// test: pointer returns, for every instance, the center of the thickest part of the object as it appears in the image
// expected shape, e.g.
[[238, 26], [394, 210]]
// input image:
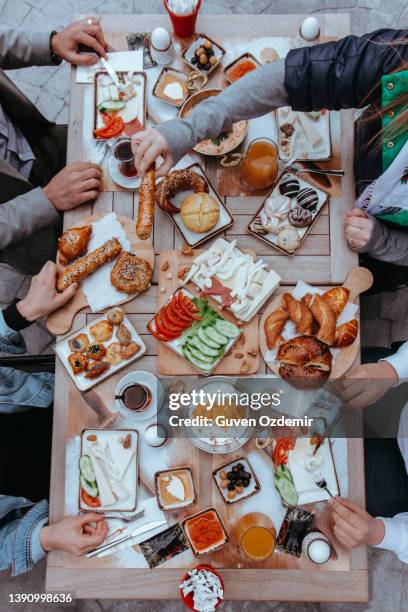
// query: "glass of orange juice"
[[260, 163], [255, 534]]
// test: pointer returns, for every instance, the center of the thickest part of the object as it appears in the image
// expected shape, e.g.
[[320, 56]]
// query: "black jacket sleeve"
[[344, 73]]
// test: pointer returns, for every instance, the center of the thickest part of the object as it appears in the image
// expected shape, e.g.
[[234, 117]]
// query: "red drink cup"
[[183, 25]]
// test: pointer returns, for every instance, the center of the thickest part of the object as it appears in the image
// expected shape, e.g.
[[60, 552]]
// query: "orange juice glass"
[[260, 164], [256, 536]]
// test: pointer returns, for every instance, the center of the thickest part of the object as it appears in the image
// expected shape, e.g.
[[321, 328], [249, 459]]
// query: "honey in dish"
[[258, 543], [181, 497], [260, 164]]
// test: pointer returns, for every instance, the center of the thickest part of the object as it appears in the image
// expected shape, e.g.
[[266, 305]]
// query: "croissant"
[[346, 334], [325, 317], [299, 313], [337, 298], [274, 325], [74, 242]]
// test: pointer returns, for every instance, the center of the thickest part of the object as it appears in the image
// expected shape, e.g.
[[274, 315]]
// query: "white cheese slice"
[[131, 110], [121, 457], [312, 133], [106, 495], [173, 91], [176, 488]]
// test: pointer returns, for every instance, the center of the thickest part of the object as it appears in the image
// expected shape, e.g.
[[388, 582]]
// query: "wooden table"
[[324, 259]]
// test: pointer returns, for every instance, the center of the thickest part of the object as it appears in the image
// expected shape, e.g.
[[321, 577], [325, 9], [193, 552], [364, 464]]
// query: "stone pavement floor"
[[49, 89]]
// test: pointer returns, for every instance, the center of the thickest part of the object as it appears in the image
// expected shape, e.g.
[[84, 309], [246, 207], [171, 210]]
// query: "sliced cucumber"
[[198, 354], [226, 328], [201, 365], [89, 488], [286, 489], [216, 336], [202, 347], [202, 334], [110, 106], [86, 468]]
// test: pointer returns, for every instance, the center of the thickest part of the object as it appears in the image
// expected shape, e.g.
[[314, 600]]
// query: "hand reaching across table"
[[74, 185], [87, 32], [75, 534], [353, 526], [366, 384], [147, 146], [358, 228], [42, 297]]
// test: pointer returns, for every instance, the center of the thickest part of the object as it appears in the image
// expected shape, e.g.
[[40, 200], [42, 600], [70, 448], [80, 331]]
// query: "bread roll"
[[200, 212], [305, 362], [145, 211], [337, 298], [324, 315], [81, 268], [299, 313], [274, 325], [346, 334]]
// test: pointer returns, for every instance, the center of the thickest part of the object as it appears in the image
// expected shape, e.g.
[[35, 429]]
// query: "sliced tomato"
[[170, 324], [162, 329], [157, 334], [107, 118], [113, 128], [90, 501], [176, 311], [282, 448], [171, 316], [187, 306]]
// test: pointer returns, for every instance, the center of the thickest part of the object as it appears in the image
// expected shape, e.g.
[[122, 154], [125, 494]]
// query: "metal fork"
[[103, 147], [320, 479], [297, 170], [125, 518]]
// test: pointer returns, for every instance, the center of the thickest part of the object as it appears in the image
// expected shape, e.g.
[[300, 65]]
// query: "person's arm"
[[399, 362], [21, 48], [256, 94], [396, 535]]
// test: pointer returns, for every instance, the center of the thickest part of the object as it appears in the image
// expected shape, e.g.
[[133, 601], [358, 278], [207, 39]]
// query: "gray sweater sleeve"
[[256, 94], [21, 48], [387, 244]]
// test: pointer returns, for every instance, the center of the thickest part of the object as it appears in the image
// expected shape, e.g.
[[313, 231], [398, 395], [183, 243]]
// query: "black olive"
[[231, 486], [194, 59], [207, 66], [209, 52], [229, 474], [239, 482], [240, 466], [245, 483], [235, 468]]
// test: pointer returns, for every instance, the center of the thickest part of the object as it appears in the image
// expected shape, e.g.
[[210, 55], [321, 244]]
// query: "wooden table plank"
[[324, 260]]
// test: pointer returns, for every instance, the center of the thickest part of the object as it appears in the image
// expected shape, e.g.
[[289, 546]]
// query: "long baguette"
[[81, 268], [145, 213]]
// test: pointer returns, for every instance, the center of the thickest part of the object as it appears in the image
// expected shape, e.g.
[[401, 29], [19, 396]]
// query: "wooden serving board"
[[358, 280], [60, 322], [170, 364]]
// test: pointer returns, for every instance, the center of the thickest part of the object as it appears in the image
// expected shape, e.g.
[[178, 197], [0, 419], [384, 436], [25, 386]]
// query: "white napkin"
[[120, 60], [97, 287]]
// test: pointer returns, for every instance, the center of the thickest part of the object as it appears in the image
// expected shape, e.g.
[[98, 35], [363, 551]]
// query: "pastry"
[[178, 180], [145, 210], [123, 334], [113, 353], [131, 274], [274, 325], [325, 317], [305, 362], [308, 199], [83, 267], [258, 227], [129, 350], [337, 298], [299, 313], [73, 243], [78, 362], [277, 206], [79, 344], [115, 316], [271, 224], [300, 217], [346, 334], [288, 238], [96, 351], [289, 186], [101, 331], [200, 212], [96, 368]]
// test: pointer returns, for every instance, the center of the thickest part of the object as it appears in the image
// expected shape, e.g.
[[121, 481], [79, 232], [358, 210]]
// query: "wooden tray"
[[170, 364], [60, 322], [358, 280]]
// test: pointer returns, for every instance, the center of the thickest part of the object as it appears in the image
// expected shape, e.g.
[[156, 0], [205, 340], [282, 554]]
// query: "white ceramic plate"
[[119, 179], [150, 381]]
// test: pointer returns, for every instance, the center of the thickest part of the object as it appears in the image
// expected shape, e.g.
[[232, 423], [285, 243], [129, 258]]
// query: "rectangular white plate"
[[63, 351], [130, 478], [322, 125]]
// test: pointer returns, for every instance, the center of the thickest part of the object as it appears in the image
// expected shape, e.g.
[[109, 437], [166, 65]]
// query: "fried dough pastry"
[[83, 267], [131, 274], [178, 180], [96, 368], [113, 353], [324, 315], [78, 362], [101, 331], [337, 298], [79, 344], [115, 316], [299, 313], [274, 325], [129, 350], [346, 334], [74, 243]]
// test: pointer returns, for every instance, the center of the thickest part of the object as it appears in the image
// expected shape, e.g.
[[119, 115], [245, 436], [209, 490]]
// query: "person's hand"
[[74, 185], [42, 297], [75, 534], [353, 526], [366, 384], [358, 228], [147, 146], [87, 32]]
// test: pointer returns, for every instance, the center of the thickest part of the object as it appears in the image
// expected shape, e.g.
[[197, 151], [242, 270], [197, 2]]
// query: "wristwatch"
[[54, 57]]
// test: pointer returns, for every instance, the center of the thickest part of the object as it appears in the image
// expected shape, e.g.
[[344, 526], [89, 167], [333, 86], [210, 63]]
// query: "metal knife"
[[111, 71], [138, 531]]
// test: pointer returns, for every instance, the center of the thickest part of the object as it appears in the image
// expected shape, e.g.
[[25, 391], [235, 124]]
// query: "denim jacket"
[[21, 521]]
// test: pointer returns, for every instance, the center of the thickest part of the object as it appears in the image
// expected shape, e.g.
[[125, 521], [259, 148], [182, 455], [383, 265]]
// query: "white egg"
[[319, 551], [160, 38], [155, 435], [310, 28]]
